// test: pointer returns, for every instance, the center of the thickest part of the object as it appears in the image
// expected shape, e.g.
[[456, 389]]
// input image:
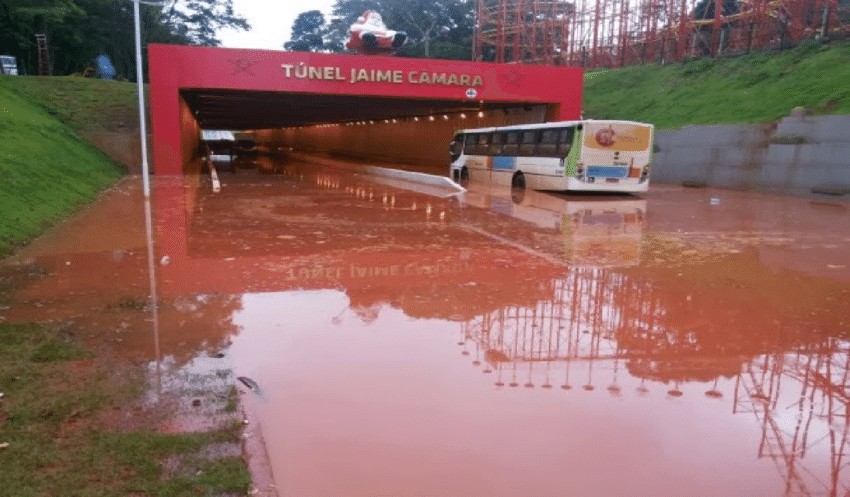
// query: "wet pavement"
[[683, 342]]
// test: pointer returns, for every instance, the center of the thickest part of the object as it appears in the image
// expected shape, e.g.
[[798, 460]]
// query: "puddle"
[[686, 342]]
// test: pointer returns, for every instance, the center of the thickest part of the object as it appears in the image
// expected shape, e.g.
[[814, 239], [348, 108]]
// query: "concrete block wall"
[[718, 155], [743, 156]]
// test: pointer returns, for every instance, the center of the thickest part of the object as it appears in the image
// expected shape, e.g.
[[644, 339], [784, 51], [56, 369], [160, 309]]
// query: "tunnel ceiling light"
[[395, 121], [462, 115], [431, 117], [445, 116], [481, 113], [415, 118]]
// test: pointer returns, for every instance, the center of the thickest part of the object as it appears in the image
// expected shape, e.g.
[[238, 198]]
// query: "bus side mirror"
[[454, 150]]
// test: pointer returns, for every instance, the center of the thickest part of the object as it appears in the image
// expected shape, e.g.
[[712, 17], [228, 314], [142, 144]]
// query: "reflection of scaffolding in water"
[[821, 414], [578, 324], [593, 316], [612, 33]]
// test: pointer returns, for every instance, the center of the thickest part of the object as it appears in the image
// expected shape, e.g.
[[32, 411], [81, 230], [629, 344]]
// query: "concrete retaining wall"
[[799, 154]]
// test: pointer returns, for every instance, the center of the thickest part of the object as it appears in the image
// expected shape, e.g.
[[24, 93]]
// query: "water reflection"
[[576, 314], [795, 389], [599, 232], [154, 295]]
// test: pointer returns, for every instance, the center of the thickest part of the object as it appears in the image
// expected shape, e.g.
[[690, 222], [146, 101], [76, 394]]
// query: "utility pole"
[[43, 54]]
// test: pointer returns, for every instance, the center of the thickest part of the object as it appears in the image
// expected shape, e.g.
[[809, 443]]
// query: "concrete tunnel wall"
[[424, 143], [190, 139]]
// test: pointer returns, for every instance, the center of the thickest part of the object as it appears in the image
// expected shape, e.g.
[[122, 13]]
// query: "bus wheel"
[[464, 177], [518, 187]]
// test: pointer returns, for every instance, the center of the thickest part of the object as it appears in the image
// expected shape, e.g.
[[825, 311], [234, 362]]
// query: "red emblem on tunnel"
[[605, 137], [242, 65]]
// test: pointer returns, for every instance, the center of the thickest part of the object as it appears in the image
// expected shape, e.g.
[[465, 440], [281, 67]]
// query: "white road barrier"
[[440, 185]]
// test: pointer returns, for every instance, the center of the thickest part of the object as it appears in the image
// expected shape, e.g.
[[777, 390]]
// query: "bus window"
[[548, 143], [529, 143], [469, 146], [511, 146], [483, 145], [565, 141], [496, 144]]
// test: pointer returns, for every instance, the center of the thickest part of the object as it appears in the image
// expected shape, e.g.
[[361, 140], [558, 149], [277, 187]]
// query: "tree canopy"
[[307, 32], [79, 30]]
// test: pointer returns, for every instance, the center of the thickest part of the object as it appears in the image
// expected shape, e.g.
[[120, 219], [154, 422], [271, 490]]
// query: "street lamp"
[[140, 80]]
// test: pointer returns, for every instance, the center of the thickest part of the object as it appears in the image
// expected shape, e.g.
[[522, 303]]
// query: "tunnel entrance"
[[336, 102]]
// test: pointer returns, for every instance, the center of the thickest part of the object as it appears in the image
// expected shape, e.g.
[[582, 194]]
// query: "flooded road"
[[685, 342]]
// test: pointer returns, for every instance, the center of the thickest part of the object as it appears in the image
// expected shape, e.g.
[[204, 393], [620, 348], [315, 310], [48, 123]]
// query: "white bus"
[[610, 156]]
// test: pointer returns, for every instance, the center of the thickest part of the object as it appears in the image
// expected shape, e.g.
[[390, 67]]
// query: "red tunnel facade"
[[175, 69]]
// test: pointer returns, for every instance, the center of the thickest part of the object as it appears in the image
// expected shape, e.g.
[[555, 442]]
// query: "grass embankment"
[[752, 88], [46, 170], [57, 428], [87, 105]]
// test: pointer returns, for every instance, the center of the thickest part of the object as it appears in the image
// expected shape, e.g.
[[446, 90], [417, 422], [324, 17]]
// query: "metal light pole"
[[140, 80]]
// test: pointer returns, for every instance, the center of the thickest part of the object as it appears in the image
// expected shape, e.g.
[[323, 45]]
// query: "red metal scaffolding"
[[615, 33]]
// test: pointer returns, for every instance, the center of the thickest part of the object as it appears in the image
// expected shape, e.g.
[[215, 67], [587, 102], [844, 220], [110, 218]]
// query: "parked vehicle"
[[245, 145], [8, 65], [609, 156]]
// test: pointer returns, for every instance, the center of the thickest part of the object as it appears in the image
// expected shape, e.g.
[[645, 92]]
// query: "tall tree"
[[199, 20], [79, 30], [307, 31]]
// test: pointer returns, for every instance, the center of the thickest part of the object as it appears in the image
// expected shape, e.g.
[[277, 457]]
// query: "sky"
[[270, 20]]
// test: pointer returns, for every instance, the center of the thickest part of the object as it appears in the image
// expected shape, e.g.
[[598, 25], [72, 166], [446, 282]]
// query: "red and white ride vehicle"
[[370, 36]]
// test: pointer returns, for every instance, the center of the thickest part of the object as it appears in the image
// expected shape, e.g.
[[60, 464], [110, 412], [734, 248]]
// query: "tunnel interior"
[[254, 110], [386, 129]]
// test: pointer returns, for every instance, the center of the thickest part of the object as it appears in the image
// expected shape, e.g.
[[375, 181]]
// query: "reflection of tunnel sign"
[[471, 93]]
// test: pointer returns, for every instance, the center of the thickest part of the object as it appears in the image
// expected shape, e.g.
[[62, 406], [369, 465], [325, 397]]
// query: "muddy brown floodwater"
[[685, 342]]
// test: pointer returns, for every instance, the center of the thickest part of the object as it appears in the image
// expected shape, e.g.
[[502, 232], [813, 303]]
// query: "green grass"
[[753, 88], [46, 170], [83, 104], [55, 415], [232, 400]]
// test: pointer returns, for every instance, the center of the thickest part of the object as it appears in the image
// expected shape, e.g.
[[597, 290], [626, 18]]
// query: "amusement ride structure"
[[615, 33]]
